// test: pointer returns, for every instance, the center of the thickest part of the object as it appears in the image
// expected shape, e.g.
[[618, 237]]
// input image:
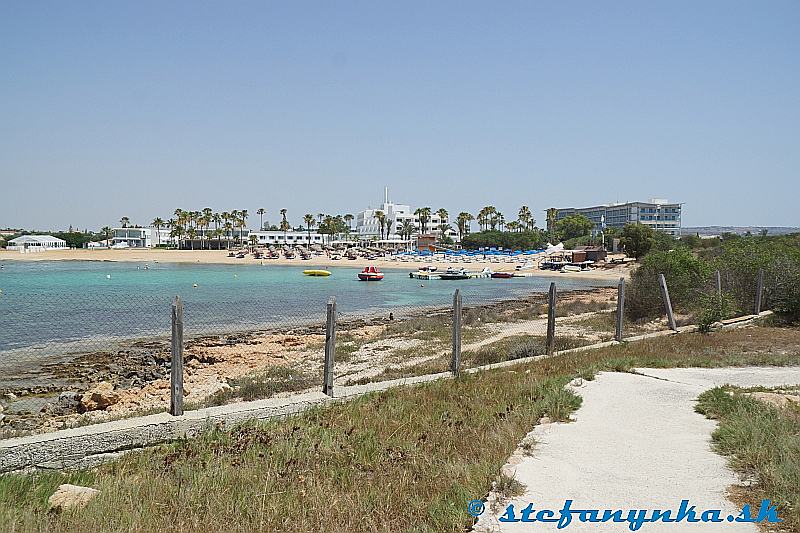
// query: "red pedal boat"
[[502, 275], [370, 273]]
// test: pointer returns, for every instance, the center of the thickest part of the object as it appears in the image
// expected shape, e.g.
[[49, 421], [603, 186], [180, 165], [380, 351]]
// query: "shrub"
[[713, 309], [739, 262], [637, 239], [687, 277]]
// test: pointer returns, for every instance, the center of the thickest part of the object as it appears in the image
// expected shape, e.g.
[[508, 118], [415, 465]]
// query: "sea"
[[84, 304]]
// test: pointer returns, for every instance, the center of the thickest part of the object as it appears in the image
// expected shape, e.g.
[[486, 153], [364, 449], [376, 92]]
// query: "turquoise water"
[[75, 301]]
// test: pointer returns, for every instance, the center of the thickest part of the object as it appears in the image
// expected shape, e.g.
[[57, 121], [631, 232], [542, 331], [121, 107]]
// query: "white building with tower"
[[368, 226]]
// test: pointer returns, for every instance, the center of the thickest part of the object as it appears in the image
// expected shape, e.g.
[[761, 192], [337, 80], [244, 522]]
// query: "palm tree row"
[[188, 225], [489, 218]]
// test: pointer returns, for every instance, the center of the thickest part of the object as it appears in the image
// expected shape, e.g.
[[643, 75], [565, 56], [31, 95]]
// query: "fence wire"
[[72, 359]]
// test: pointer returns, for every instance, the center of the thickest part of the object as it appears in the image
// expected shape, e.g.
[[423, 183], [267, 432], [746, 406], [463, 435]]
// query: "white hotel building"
[[368, 227]]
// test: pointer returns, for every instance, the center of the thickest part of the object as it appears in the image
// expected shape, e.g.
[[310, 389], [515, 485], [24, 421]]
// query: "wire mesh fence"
[[73, 359]]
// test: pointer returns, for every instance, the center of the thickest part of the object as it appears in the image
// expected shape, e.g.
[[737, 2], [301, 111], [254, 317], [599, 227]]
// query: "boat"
[[570, 268], [370, 273], [424, 274], [316, 272], [502, 275], [453, 273]]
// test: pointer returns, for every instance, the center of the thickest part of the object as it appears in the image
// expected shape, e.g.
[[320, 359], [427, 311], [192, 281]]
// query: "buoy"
[[194, 285], [108, 276]]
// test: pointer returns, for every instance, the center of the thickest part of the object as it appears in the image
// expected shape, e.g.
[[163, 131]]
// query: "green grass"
[[407, 459], [760, 441]]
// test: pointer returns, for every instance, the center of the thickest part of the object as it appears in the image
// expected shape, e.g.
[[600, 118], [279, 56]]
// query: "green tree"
[[158, 223], [308, 218], [637, 239], [573, 226], [260, 213], [380, 216], [462, 223], [106, 231], [424, 215]]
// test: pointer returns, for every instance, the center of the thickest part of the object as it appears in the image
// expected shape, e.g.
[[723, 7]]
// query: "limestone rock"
[[99, 397], [71, 497], [781, 401]]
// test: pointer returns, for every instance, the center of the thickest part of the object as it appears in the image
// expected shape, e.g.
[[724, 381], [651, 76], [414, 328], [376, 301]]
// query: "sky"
[[111, 109]]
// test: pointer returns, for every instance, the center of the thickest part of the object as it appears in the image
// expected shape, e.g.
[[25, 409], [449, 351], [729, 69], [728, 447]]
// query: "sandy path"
[[636, 444], [221, 257]]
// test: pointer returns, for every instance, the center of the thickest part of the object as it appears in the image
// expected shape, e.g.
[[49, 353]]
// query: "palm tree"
[[349, 218], [191, 233], [124, 221], [229, 231], [242, 221], [308, 218], [260, 213], [551, 222], [525, 217], [206, 222], [157, 223], [389, 223], [442, 214], [381, 217], [217, 218], [462, 223], [424, 215], [107, 232], [406, 230]]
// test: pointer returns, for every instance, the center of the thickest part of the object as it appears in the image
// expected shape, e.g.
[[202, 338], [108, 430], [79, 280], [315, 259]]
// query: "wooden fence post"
[[330, 348], [455, 363], [667, 303], [551, 319], [620, 308], [759, 292], [176, 373]]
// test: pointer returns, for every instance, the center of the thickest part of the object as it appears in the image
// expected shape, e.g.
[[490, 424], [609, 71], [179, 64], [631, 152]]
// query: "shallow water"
[[83, 303]]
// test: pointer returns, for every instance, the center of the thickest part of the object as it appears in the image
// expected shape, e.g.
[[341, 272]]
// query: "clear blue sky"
[[135, 108]]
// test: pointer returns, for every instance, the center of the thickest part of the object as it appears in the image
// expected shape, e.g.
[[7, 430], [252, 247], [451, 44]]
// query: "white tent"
[[36, 243]]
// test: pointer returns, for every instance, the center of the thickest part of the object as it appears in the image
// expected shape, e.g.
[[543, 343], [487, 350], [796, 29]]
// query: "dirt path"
[[636, 443]]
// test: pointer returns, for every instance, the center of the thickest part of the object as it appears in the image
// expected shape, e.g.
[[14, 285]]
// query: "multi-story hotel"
[[657, 213]]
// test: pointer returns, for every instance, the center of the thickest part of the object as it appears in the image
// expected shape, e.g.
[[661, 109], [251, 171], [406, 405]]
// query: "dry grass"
[[763, 443], [408, 459]]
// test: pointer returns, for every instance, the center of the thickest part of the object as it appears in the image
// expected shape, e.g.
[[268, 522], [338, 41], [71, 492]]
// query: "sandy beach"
[[221, 257]]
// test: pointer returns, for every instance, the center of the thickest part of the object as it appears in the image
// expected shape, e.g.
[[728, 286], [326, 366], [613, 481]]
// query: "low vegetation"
[[763, 443], [404, 459]]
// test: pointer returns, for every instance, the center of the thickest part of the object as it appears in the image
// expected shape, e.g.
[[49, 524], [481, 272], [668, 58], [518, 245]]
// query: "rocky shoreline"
[[134, 379]]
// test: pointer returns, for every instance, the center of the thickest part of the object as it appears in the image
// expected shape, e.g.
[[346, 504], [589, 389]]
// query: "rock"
[[781, 401], [71, 497], [577, 382], [99, 397], [1, 409], [69, 399], [545, 420], [11, 396]]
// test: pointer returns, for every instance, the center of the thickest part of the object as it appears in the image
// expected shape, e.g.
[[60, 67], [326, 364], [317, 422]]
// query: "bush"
[[739, 262], [713, 309], [516, 240], [687, 278], [637, 239]]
